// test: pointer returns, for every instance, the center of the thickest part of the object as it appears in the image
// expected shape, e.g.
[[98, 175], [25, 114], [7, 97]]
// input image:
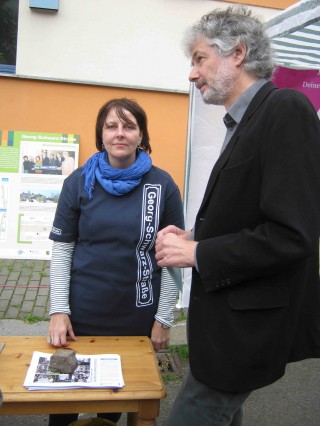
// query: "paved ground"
[[24, 289]]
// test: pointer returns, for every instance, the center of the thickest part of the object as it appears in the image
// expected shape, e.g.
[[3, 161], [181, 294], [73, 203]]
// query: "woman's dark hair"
[[119, 105]]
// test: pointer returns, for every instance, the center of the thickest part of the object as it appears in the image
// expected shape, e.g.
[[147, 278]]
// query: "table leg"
[[147, 422], [148, 412], [133, 419]]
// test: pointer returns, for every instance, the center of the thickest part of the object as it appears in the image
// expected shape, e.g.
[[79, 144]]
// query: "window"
[[8, 35]]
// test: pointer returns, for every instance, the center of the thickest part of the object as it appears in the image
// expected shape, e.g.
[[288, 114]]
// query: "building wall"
[[55, 107], [70, 62], [122, 43]]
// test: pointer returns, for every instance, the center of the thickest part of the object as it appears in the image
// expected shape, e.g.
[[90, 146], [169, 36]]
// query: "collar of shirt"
[[238, 108]]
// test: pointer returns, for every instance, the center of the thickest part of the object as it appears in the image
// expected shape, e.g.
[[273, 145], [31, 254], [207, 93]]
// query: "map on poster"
[[33, 166]]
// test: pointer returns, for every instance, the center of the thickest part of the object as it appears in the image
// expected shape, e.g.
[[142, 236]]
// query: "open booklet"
[[93, 371]]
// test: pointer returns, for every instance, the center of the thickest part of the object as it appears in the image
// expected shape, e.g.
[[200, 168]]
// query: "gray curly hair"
[[226, 29]]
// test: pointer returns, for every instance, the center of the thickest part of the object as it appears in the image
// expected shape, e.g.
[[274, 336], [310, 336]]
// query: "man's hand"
[[173, 248], [172, 229]]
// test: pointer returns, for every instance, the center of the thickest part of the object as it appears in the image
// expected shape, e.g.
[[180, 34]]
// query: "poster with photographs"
[[33, 166]]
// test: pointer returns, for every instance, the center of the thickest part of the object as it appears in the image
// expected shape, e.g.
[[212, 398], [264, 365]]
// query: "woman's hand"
[[59, 327], [159, 336]]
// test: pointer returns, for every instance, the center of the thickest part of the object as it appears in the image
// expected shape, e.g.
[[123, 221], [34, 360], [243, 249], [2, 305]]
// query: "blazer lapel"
[[224, 157]]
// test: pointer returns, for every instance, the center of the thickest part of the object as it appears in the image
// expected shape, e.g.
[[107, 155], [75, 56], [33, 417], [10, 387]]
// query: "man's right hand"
[[174, 248], [172, 229]]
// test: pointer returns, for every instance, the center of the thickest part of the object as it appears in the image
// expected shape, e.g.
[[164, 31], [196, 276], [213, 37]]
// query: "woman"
[[107, 219], [38, 165]]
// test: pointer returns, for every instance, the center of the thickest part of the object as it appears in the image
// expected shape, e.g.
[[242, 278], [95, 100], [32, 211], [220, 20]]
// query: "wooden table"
[[140, 397]]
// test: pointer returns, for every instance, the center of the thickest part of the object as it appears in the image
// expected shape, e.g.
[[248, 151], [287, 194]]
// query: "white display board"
[[33, 167]]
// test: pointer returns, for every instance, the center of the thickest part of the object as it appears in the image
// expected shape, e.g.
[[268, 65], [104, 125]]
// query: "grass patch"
[[169, 377], [9, 268], [32, 319], [181, 350], [173, 363]]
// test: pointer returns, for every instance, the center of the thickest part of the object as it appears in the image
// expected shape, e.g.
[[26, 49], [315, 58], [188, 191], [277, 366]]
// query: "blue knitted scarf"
[[114, 181]]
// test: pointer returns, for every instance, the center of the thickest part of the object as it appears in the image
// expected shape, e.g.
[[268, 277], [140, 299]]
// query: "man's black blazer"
[[255, 302]]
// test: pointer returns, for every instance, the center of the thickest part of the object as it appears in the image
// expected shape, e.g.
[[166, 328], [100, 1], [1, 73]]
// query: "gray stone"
[[63, 361]]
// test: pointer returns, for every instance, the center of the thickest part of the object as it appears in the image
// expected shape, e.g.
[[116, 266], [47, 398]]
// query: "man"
[[255, 294], [45, 163]]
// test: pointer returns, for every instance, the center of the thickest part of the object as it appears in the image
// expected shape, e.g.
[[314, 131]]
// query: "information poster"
[[33, 167]]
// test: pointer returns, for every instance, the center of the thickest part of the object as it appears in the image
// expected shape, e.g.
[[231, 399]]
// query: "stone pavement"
[[24, 289]]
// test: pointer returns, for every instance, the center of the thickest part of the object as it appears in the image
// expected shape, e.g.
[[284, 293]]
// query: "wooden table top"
[[139, 365]]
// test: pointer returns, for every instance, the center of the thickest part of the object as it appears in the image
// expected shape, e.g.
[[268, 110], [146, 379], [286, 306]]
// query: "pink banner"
[[307, 81]]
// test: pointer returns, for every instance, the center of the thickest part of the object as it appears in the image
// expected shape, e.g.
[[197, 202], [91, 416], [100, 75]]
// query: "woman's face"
[[121, 139]]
